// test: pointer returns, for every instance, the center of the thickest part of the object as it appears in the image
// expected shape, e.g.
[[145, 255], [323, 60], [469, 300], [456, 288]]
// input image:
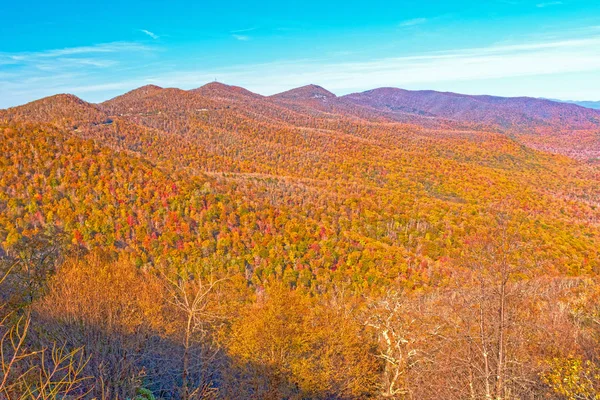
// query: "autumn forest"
[[215, 243]]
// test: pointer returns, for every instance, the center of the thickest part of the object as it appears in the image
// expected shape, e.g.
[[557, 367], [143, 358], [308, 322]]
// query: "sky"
[[98, 50]]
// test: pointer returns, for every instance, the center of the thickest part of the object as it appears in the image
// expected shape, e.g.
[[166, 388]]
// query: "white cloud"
[[412, 22], [242, 38], [151, 34], [549, 4], [493, 62], [244, 30], [25, 76], [114, 47], [84, 58], [537, 60]]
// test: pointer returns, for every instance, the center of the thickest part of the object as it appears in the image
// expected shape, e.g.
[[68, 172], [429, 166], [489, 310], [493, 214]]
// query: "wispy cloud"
[[63, 63], [412, 22], [533, 59], [28, 75], [549, 4], [528, 61], [241, 34], [244, 30], [509, 2], [114, 47], [151, 34], [243, 38], [59, 60]]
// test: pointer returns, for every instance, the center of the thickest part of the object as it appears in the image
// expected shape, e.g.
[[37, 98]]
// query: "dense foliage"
[[218, 244]]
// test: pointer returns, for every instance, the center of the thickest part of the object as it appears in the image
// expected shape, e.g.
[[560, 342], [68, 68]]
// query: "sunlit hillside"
[[216, 243]]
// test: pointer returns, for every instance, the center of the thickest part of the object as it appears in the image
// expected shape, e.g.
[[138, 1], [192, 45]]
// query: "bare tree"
[[406, 334], [496, 262], [192, 297], [35, 374]]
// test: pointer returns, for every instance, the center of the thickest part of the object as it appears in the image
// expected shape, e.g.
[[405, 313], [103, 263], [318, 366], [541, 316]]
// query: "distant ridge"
[[573, 128], [595, 105], [504, 112]]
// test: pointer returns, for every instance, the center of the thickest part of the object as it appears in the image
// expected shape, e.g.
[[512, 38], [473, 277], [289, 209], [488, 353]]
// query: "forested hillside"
[[216, 243]]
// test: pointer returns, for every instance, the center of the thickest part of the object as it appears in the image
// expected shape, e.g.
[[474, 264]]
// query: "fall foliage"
[[215, 243]]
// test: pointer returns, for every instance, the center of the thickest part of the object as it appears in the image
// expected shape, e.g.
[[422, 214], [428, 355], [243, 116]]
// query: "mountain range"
[[542, 124]]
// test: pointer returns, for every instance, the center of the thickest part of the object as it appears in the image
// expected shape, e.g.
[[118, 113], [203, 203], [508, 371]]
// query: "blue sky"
[[97, 50]]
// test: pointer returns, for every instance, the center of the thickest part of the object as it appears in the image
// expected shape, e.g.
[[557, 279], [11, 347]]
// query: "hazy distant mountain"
[[518, 112], [588, 104]]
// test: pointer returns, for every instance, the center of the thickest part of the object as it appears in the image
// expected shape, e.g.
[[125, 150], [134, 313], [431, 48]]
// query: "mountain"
[[519, 113], [320, 103], [220, 90], [308, 92], [542, 124], [588, 104], [136, 94], [63, 109]]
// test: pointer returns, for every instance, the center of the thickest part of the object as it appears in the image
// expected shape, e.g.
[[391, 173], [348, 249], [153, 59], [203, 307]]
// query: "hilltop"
[[308, 92]]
